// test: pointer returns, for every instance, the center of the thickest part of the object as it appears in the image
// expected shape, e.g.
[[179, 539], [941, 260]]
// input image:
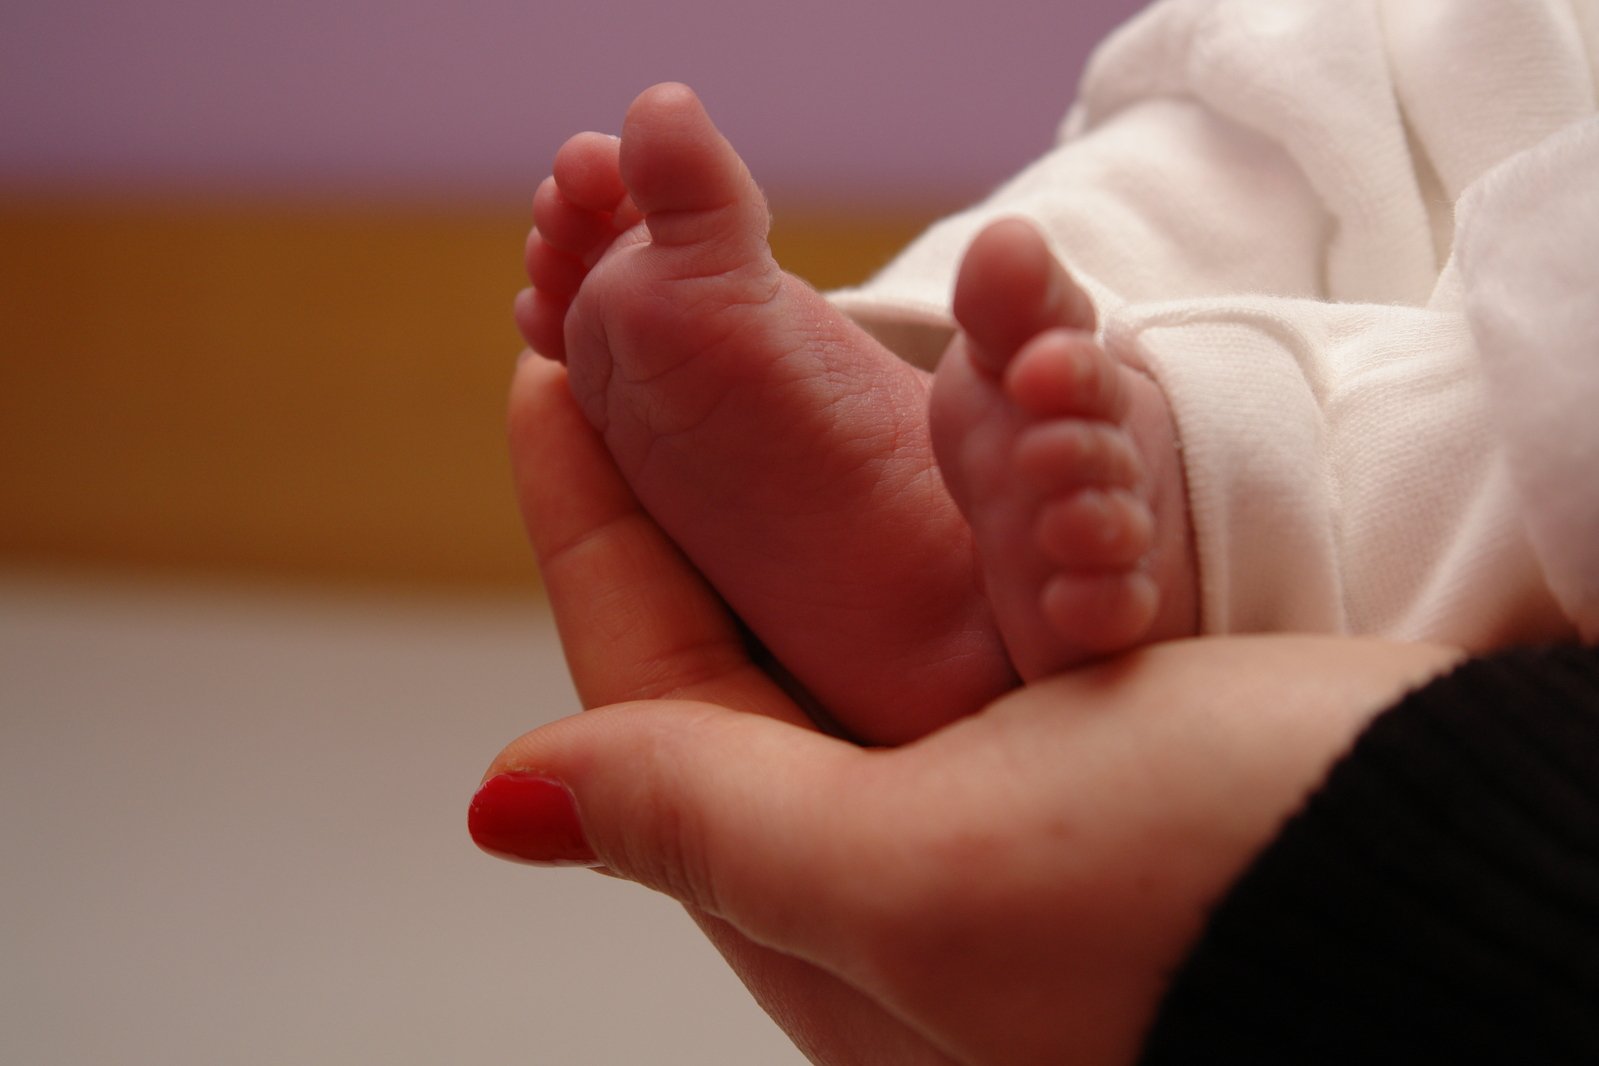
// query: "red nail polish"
[[529, 818]]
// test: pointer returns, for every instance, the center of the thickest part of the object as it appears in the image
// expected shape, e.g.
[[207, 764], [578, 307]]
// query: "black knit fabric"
[[1436, 901]]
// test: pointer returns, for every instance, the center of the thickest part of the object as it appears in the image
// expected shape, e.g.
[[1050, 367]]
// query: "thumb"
[[747, 818]]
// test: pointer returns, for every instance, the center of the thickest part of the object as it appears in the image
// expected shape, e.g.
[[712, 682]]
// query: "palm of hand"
[[1014, 888]]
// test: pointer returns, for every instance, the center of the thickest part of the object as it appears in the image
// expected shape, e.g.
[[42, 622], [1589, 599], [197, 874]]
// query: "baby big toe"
[[1010, 288], [689, 182]]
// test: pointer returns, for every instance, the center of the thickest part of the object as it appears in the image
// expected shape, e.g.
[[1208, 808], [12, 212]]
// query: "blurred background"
[[265, 610]]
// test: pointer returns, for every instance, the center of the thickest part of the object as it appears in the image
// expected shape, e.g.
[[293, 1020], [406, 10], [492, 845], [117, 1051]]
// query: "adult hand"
[[1015, 888]]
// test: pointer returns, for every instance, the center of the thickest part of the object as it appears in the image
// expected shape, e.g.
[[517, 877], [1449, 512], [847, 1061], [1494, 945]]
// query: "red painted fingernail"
[[529, 818]]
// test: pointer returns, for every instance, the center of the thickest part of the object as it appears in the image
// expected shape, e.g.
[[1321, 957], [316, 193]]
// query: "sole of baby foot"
[[782, 448], [1064, 461]]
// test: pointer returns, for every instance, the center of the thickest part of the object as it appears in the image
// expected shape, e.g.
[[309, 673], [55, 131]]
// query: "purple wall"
[[834, 99]]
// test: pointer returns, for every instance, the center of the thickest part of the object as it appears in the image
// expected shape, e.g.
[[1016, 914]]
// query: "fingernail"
[[529, 818]]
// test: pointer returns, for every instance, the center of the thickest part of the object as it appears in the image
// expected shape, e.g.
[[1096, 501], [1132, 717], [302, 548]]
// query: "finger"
[[746, 819], [636, 619], [907, 874]]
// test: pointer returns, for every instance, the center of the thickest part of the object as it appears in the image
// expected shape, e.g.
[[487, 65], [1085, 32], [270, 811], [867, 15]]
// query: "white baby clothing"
[[1357, 244]]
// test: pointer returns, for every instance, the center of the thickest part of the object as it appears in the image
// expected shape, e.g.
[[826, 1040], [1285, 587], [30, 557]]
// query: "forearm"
[[1436, 901]]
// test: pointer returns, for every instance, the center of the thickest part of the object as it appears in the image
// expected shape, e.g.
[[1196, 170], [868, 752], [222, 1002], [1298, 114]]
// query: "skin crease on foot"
[[792, 458]]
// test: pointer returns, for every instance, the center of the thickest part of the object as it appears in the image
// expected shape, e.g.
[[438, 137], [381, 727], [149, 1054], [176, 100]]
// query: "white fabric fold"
[[1529, 265], [1261, 198]]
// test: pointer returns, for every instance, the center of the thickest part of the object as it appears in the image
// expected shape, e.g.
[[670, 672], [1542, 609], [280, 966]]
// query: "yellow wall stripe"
[[282, 391]]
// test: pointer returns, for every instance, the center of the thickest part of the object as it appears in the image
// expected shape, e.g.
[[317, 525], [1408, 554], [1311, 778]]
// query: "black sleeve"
[[1436, 901]]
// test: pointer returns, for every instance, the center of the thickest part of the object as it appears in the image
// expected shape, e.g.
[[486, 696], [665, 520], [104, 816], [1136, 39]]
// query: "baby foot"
[[1063, 460], [784, 450]]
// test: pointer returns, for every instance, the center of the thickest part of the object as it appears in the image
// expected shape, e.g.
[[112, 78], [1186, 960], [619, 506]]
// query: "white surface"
[[233, 829]]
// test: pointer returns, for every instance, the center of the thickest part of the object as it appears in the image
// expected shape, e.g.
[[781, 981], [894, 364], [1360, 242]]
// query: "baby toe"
[[541, 319], [566, 226], [552, 271], [1062, 455], [1101, 613], [588, 172], [1067, 372], [1095, 530]]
